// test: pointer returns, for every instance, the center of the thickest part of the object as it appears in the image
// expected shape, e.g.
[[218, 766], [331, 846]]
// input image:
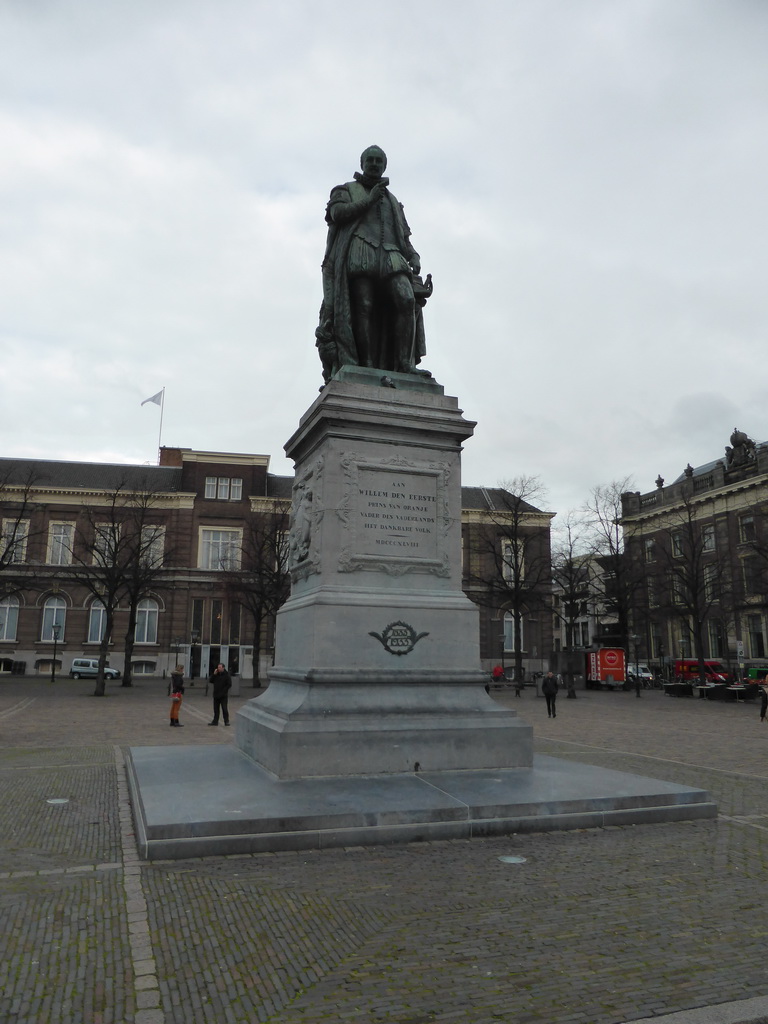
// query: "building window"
[[683, 640], [54, 613], [97, 622], [143, 668], [234, 623], [653, 593], [746, 529], [60, 543], [708, 538], [676, 589], [220, 549], [9, 618], [716, 645], [509, 632], [711, 583], [217, 609], [657, 643], [198, 607], [677, 544], [152, 546], [224, 488], [649, 549], [512, 567], [146, 622], [106, 544], [15, 533], [752, 576], [756, 636]]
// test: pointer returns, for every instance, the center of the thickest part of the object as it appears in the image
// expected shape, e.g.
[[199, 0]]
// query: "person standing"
[[222, 683], [177, 694], [549, 688], [763, 703]]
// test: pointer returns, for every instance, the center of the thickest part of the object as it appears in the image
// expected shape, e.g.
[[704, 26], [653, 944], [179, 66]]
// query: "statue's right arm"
[[342, 209]]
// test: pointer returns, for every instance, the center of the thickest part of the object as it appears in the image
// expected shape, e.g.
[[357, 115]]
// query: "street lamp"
[[56, 630], [635, 639], [195, 637], [636, 642]]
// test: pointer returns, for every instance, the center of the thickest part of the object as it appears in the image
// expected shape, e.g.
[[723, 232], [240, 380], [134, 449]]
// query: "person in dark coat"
[[549, 688], [221, 681], [763, 703]]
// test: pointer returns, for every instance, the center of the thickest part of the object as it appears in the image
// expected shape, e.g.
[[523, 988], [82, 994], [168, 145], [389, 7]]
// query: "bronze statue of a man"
[[372, 292]]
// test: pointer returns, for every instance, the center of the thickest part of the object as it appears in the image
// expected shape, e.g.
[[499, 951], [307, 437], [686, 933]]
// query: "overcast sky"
[[586, 181]]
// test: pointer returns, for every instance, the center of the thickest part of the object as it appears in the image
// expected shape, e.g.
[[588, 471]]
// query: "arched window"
[[509, 632], [54, 612], [9, 618], [97, 622], [146, 622]]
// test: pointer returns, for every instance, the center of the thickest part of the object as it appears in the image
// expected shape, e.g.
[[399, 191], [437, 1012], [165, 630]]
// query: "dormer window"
[[224, 488]]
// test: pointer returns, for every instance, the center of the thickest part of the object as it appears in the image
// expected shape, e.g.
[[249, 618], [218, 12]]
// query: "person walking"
[[549, 688], [763, 703], [177, 694], [222, 683]]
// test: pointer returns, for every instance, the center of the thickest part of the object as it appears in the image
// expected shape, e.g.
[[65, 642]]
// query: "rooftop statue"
[[743, 450], [373, 294]]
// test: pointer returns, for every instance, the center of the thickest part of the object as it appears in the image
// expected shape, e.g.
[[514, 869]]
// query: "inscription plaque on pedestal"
[[396, 516]]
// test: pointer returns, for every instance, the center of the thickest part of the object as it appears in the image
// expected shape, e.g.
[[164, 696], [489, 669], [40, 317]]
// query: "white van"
[[644, 672], [89, 668]]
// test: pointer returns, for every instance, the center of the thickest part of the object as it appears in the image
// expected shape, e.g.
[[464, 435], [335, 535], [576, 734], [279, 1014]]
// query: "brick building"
[[507, 572], [194, 539]]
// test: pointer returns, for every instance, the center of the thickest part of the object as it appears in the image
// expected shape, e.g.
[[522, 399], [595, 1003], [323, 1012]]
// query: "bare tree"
[[571, 575], [695, 582], [114, 556], [513, 573], [621, 581], [18, 516], [262, 583], [145, 558]]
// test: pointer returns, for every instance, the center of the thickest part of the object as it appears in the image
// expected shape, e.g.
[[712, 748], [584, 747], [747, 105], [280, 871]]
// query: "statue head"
[[373, 161]]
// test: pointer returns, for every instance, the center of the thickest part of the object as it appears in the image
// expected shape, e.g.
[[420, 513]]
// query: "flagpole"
[[160, 433]]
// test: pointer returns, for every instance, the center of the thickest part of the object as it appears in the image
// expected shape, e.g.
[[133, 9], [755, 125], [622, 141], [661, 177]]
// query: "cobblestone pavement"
[[601, 926]]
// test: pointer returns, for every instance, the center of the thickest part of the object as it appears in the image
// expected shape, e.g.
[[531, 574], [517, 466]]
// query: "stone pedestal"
[[377, 651]]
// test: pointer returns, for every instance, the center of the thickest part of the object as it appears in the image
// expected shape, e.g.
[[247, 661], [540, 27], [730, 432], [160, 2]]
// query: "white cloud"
[[584, 180]]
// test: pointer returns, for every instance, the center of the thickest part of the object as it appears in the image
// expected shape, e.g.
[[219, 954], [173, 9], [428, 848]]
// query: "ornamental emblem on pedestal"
[[399, 638]]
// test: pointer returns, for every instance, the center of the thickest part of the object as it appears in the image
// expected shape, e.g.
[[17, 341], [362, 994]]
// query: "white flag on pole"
[[157, 399]]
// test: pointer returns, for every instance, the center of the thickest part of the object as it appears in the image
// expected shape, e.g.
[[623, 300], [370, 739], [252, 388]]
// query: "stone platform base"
[[205, 801]]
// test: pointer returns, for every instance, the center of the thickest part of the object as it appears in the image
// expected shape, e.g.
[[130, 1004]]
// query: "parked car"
[[86, 668]]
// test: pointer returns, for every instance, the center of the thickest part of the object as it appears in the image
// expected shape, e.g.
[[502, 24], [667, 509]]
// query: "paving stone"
[[599, 925]]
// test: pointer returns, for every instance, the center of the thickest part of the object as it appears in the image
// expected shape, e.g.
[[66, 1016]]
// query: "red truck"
[[687, 670], [607, 666]]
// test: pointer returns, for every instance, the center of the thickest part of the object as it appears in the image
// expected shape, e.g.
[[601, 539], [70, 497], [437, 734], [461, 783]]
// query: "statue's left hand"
[[415, 263]]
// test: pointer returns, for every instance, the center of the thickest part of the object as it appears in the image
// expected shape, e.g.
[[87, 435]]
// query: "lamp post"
[[635, 639], [195, 638], [56, 630]]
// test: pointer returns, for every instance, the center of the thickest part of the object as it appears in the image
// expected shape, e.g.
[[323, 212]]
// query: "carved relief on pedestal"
[[396, 516], [306, 515]]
